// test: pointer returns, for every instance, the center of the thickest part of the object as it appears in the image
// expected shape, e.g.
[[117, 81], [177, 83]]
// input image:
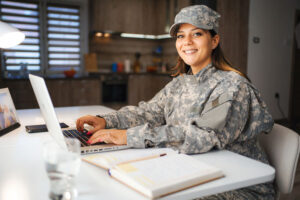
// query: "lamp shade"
[[10, 36]]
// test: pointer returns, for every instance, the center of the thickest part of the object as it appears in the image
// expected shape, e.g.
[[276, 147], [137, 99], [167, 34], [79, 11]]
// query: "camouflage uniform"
[[213, 109]]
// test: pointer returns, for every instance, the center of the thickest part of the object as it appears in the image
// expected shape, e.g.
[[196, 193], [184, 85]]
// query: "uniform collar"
[[201, 76]]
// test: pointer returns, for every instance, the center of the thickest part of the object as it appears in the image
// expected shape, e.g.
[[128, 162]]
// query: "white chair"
[[282, 147]]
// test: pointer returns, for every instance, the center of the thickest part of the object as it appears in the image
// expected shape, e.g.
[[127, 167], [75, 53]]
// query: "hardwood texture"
[[129, 16], [87, 91], [74, 92], [144, 87], [21, 93], [63, 92], [134, 16], [234, 31]]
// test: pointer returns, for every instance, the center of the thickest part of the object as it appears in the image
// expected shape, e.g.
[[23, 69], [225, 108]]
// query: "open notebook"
[[155, 172]]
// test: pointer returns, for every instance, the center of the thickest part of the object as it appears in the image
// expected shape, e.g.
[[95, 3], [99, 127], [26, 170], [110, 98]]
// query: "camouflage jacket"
[[213, 109]]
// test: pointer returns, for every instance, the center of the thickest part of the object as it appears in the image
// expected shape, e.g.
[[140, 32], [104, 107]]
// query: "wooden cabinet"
[[63, 92], [134, 16], [74, 92], [85, 91], [130, 16], [144, 87], [21, 93]]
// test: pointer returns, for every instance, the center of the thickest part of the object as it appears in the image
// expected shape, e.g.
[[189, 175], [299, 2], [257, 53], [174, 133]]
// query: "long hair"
[[218, 60]]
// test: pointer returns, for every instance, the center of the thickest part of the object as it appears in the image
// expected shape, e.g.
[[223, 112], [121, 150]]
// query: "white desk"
[[22, 173]]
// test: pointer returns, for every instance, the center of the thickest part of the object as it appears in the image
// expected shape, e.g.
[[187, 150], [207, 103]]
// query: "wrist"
[[102, 120]]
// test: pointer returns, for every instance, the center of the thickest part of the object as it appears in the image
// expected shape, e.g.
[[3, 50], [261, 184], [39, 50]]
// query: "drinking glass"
[[62, 167]]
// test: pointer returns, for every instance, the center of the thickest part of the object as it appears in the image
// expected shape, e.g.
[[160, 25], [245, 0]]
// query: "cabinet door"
[[85, 92], [60, 92], [130, 16], [144, 87], [21, 93]]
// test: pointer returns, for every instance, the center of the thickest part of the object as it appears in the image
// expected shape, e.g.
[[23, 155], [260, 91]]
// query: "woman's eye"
[[197, 34], [179, 36]]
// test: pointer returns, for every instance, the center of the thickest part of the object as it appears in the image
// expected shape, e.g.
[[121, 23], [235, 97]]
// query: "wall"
[[270, 60]]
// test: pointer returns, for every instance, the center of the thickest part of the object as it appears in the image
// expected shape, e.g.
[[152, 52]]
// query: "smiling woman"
[[208, 106]]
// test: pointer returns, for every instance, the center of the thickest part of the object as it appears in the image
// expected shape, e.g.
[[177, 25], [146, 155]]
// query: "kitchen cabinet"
[[63, 92], [74, 92], [21, 93], [144, 87], [134, 16], [85, 91]]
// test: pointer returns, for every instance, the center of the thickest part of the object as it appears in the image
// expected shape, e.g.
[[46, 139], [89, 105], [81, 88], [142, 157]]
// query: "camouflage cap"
[[200, 16]]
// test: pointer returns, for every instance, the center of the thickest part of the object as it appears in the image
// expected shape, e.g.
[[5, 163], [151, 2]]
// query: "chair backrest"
[[282, 147]]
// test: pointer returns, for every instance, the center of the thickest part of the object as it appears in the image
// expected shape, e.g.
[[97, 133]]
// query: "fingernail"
[[88, 133], [100, 140]]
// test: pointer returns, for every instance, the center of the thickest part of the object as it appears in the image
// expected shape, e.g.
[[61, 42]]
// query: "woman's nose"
[[187, 40]]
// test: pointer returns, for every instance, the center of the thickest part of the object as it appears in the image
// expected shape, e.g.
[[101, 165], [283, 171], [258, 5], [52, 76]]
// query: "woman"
[[209, 105]]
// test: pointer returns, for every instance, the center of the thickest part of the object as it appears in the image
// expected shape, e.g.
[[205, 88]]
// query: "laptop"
[[49, 115]]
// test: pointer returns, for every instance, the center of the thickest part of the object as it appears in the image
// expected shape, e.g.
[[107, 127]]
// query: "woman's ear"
[[215, 41]]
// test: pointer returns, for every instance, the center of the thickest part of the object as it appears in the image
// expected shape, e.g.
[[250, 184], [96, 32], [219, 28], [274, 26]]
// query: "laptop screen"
[[42, 95]]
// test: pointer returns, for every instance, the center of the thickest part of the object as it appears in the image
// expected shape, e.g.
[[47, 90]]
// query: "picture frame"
[[8, 115]]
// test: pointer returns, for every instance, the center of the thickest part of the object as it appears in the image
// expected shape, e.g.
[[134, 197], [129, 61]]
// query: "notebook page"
[[110, 159]]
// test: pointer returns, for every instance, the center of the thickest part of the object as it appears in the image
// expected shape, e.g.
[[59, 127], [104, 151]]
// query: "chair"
[[282, 147]]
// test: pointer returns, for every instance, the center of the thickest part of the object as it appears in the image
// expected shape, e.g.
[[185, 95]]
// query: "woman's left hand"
[[114, 136]]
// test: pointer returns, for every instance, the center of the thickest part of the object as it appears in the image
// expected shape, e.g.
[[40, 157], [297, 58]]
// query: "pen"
[[143, 158]]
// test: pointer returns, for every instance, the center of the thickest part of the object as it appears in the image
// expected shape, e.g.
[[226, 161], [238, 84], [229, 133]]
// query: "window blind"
[[25, 17], [63, 36]]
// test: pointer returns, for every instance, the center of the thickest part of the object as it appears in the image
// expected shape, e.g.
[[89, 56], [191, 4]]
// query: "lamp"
[[10, 36]]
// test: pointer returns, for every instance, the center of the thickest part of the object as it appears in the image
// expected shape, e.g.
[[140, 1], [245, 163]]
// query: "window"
[[24, 16], [55, 39]]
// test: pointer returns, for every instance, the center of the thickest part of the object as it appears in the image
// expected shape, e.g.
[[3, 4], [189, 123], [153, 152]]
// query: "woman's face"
[[195, 45]]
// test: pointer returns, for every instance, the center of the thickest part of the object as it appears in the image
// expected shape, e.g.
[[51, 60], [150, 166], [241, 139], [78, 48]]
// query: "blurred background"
[[118, 52]]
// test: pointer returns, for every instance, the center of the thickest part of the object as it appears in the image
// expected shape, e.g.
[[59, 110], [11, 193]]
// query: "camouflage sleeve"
[[151, 112], [193, 136]]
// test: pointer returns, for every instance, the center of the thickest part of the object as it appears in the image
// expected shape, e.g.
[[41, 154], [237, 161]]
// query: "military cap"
[[200, 16]]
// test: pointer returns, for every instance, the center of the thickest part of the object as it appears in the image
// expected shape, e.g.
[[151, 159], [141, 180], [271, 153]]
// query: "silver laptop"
[[49, 115]]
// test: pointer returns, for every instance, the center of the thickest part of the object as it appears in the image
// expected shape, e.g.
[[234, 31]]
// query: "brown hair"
[[218, 60]]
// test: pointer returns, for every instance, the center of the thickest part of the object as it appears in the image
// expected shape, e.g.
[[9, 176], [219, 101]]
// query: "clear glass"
[[62, 168]]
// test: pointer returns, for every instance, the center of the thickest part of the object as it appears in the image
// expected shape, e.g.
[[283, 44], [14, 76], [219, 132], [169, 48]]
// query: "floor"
[[295, 195]]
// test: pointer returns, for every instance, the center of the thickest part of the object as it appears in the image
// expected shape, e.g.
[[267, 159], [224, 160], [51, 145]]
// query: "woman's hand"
[[114, 136], [96, 122]]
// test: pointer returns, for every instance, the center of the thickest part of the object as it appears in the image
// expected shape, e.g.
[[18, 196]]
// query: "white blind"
[[25, 17], [63, 35]]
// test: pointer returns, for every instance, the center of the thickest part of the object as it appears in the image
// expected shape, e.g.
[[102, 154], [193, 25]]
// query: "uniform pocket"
[[215, 112]]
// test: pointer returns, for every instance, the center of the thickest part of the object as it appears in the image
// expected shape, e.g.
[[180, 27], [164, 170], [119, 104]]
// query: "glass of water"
[[62, 168]]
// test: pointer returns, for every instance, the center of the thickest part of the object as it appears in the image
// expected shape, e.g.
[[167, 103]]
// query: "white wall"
[[270, 60]]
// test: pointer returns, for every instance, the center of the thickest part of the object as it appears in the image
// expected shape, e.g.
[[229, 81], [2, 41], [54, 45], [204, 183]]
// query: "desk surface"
[[22, 173]]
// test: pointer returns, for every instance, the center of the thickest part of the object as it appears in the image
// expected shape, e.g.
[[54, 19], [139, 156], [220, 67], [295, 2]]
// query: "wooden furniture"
[[133, 16], [144, 87], [64, 92], [86, 91]]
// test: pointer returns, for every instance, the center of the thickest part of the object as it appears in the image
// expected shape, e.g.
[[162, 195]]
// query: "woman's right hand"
[[96, 122]]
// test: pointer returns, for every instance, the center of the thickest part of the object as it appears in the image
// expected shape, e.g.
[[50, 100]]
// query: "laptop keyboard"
[[81, 136]]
